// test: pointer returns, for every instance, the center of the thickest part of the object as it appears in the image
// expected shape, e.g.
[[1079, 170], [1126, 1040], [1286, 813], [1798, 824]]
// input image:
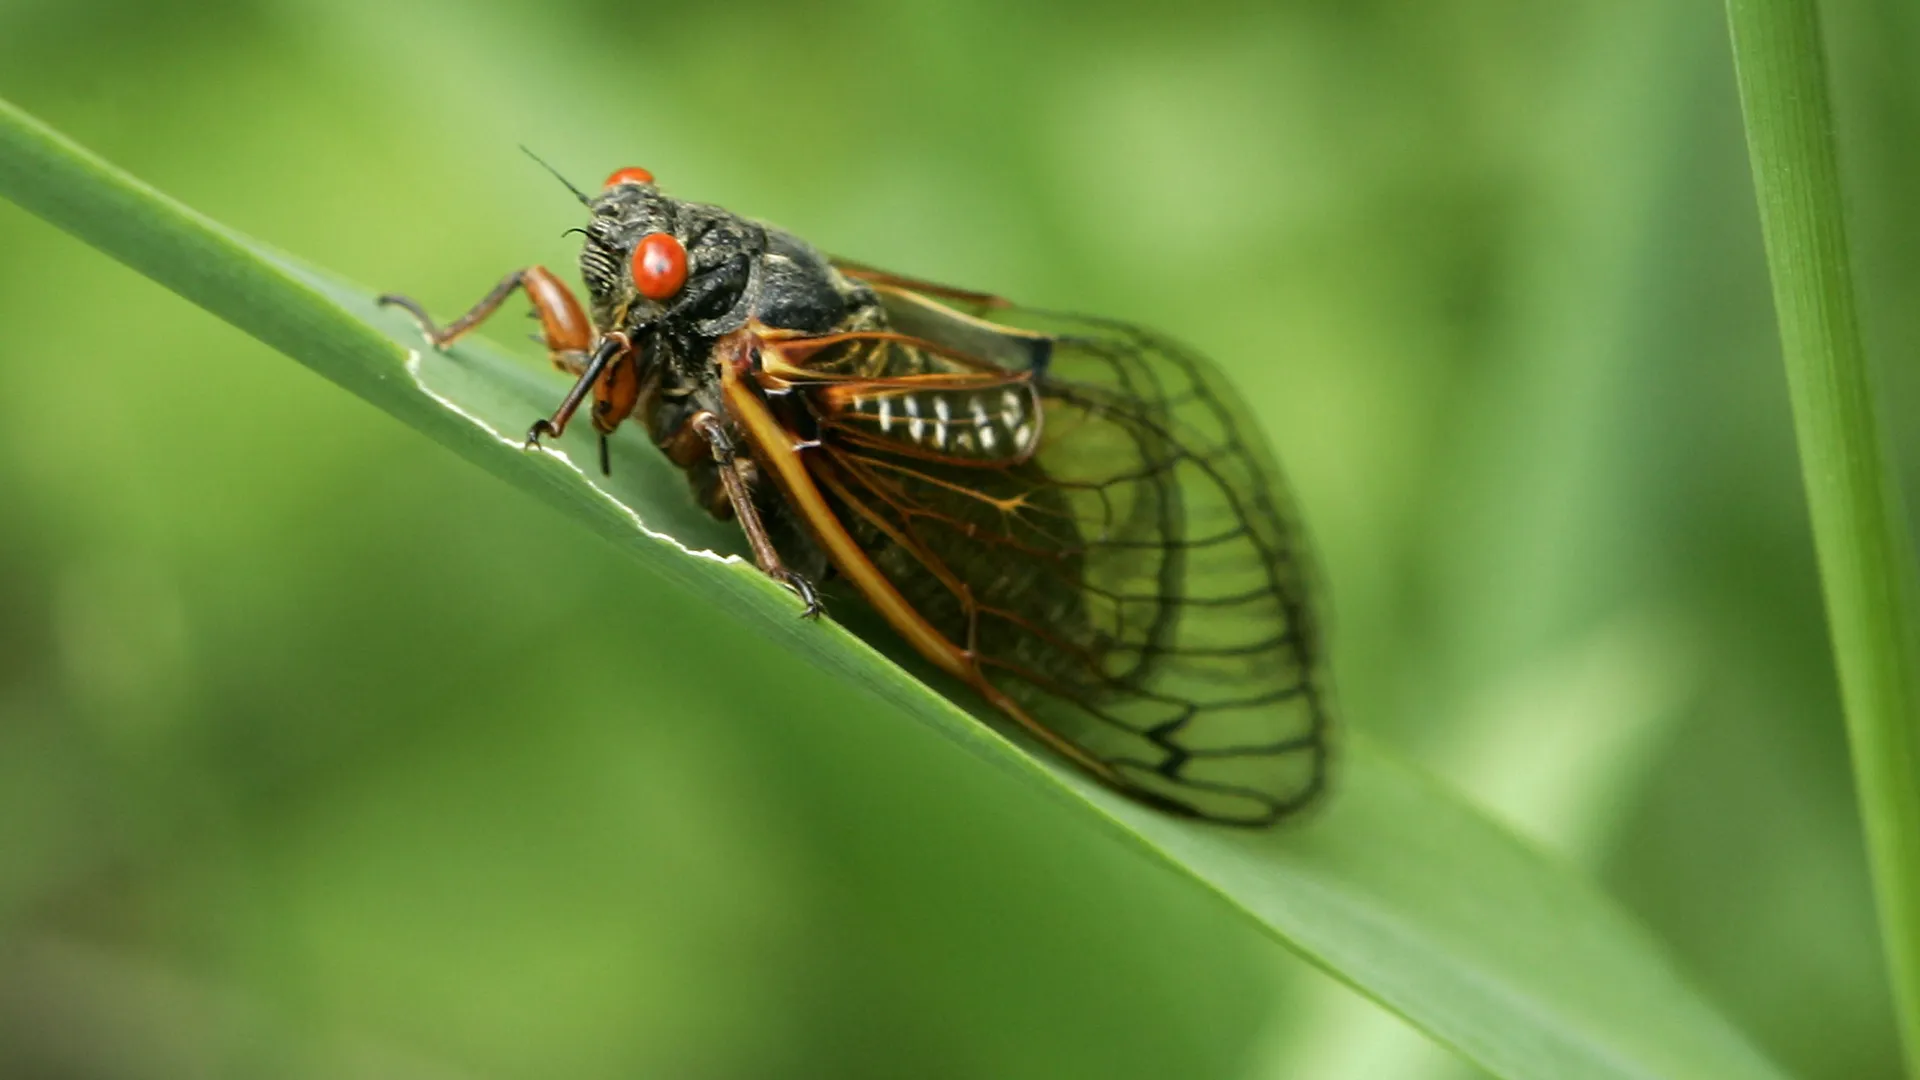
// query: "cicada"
[[1072, 516]]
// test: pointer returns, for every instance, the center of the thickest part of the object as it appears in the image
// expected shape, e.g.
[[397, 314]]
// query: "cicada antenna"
[[577, 193]]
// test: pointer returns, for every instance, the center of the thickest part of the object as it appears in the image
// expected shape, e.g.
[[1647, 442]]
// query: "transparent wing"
[[1130, 576]]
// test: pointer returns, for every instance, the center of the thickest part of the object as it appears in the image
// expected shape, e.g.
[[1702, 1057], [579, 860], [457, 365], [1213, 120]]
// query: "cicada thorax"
[[675, 393]]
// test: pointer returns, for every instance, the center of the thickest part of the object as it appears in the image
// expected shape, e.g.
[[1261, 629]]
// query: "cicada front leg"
[[606, 370]]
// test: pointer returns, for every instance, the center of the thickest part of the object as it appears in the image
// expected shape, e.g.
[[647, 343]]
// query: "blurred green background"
[[323, 754]]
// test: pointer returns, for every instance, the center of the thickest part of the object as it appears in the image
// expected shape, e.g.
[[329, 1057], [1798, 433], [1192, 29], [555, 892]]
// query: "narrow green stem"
[[1865, 565]]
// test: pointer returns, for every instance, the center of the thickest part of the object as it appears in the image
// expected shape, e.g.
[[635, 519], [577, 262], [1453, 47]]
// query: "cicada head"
[[634, 262]]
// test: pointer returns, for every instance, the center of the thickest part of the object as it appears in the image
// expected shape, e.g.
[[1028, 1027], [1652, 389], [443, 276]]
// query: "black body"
[[739, 272]]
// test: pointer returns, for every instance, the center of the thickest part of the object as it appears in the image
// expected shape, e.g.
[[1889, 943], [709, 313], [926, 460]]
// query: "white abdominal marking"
[[940, 429], [971, 427], [982, 423], [1012, 409]]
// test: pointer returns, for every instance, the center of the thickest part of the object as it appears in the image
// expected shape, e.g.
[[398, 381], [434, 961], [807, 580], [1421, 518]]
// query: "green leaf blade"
[[1859, 526]]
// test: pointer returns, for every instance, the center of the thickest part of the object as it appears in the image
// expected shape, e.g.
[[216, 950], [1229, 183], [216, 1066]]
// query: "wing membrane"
[[1134, 582]]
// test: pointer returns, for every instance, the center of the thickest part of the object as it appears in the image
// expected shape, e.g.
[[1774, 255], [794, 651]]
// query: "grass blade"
[[1858, 525]]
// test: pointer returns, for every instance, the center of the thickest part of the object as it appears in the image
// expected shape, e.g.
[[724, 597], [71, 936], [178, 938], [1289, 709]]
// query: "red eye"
[[659, 266], [632, 174]]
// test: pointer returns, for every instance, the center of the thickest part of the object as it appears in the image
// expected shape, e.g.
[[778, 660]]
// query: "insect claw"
[[420, 317], [804, 590], [539, 428]]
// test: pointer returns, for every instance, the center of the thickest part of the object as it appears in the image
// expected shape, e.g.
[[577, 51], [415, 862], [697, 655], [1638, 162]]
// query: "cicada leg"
[[569, 339], [710, 428], [613, 347], [564, 325]]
